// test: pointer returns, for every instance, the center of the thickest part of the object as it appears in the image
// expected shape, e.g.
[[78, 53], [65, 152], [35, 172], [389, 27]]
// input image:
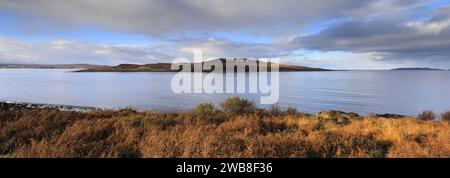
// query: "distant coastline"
[[416, 68], [166, 67], [49, 66], [156, 67]]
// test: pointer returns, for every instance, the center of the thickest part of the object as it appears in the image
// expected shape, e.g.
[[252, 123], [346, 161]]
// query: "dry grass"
[[259, 133]]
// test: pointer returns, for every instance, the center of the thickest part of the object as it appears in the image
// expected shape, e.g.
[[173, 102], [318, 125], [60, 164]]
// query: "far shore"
[[166, 67], [161, 67]]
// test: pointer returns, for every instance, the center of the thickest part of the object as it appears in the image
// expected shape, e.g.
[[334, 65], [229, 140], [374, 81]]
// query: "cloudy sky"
[[337, 34]]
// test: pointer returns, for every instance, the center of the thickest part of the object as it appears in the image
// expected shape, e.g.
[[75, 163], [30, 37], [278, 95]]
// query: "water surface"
[[402, 92]]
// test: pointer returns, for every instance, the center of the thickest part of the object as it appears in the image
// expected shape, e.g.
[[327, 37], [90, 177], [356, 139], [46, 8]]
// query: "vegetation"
[[166, 67], [427, 115], [238, 129], [208, 113], [235, 105], [446, 116]]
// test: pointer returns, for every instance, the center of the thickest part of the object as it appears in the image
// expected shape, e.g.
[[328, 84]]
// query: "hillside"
[[166, 67]]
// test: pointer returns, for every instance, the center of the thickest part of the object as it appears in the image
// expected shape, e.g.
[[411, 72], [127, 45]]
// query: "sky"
[[338, 34]]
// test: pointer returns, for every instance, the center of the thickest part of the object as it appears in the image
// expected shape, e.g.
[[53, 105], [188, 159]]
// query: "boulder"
[[390, 116], [339, 117]]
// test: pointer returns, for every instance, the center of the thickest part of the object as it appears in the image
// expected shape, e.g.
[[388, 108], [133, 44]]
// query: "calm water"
[[403, 92]]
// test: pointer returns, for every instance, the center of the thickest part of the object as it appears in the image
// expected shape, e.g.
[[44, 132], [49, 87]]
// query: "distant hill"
[[50, 66], [416, 68], [166, 67]]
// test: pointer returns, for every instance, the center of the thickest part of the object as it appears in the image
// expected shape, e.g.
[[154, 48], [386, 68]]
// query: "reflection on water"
[[403, 92]]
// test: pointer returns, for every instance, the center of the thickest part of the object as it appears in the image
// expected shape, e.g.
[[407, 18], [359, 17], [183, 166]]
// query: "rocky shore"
[[11, 106]]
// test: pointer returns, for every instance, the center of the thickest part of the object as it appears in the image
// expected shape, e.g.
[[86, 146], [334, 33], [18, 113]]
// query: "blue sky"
[[349, 34]]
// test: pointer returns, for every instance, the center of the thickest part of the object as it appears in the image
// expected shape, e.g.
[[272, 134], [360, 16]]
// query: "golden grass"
[[127, 133]]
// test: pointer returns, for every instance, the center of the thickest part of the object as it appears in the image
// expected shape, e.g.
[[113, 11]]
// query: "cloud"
[[162, 17], [392, 39], [219, 48], [67, 52]]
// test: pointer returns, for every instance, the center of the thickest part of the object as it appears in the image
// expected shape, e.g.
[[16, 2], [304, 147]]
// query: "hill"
[[166, 67]]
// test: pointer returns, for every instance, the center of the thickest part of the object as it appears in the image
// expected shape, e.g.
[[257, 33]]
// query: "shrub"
[[236, 105], [426, 115], [126, 112], [164, 123], [446, 116], [275, 110], [291, 111], [207, 112], [139, 121], [274, 127]]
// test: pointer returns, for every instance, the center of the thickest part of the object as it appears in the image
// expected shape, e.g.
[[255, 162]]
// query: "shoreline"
[[59, 107], [74, 108]]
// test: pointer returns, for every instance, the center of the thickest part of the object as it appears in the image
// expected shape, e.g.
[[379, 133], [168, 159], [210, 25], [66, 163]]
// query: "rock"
[[339, 117], [390, 116], [11, 106], [334, 113]]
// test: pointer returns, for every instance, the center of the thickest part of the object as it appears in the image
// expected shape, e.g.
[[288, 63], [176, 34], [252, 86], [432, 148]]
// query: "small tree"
[[427, 115], [445, 116], [236, 105], [208, 113]]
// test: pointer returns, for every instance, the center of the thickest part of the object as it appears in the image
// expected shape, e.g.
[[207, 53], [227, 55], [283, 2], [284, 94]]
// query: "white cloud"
[[395, 40], [160, 17], [64, 52]]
